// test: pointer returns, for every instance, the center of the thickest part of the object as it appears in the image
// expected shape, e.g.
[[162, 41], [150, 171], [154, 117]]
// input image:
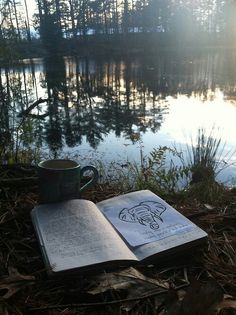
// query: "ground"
[[200, 281]]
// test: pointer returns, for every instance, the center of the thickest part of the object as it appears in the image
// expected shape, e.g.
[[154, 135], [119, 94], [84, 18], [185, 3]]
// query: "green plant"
[[169, 170], [204, 157], [205, 160], [159, 173]]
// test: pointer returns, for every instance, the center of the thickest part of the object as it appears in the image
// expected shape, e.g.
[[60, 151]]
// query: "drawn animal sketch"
[[146, 213]]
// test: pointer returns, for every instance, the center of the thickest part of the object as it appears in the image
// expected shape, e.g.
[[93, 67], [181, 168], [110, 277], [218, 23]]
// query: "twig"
[[106, 303], [99, 303], [32, 106]]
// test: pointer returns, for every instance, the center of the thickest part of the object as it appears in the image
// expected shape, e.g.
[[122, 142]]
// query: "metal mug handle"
[[92, 181]]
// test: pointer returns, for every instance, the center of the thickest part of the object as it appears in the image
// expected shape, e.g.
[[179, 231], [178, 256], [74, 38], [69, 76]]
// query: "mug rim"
[[46, 164]]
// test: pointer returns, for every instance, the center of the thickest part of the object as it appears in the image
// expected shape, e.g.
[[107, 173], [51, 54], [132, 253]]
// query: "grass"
[[206, 156], [26, 289], [167, 171], [206, 159]]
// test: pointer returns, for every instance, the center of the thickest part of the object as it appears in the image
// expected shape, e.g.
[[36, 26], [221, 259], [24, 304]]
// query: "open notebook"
[[78, 234]]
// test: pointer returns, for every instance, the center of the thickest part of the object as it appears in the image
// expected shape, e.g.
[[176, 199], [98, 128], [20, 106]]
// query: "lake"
[[110, 110]]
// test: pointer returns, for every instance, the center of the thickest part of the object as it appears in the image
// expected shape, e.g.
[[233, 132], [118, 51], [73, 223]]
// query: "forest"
[[109, 75], [60, 24]]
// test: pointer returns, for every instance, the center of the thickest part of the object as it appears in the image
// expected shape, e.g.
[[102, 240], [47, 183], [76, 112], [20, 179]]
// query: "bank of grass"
[[190, 173]]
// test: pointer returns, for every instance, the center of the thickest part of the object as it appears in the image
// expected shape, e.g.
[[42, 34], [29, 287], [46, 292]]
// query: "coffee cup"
[[60, 179]]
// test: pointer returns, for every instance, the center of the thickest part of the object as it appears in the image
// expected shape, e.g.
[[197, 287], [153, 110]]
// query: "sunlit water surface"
[[185, 116], [119, 110]]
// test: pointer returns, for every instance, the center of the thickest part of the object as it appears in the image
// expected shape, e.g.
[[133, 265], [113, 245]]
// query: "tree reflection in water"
[[87, 99]]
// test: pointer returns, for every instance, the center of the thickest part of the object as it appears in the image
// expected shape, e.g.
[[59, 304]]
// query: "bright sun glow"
[[31, 4], [188, 114]]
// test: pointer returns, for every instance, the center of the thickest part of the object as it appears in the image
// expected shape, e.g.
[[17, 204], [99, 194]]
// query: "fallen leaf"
[[11, 284], [229, 303], [134, 273], [209, 207], [130, 280]]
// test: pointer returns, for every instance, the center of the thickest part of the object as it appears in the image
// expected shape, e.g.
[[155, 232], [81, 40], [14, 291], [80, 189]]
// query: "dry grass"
[[173, 287]]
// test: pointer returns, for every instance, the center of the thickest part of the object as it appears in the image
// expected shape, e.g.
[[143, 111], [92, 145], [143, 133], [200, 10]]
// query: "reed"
[[168, 170], [206, 158]]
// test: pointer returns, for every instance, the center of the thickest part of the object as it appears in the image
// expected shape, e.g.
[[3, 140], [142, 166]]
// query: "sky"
[[31, 7]]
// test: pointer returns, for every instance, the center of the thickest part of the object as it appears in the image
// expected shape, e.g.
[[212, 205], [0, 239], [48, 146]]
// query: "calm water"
[[99, 109]]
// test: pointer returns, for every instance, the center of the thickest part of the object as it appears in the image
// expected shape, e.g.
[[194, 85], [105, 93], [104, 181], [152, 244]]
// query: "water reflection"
[[86, 100]]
